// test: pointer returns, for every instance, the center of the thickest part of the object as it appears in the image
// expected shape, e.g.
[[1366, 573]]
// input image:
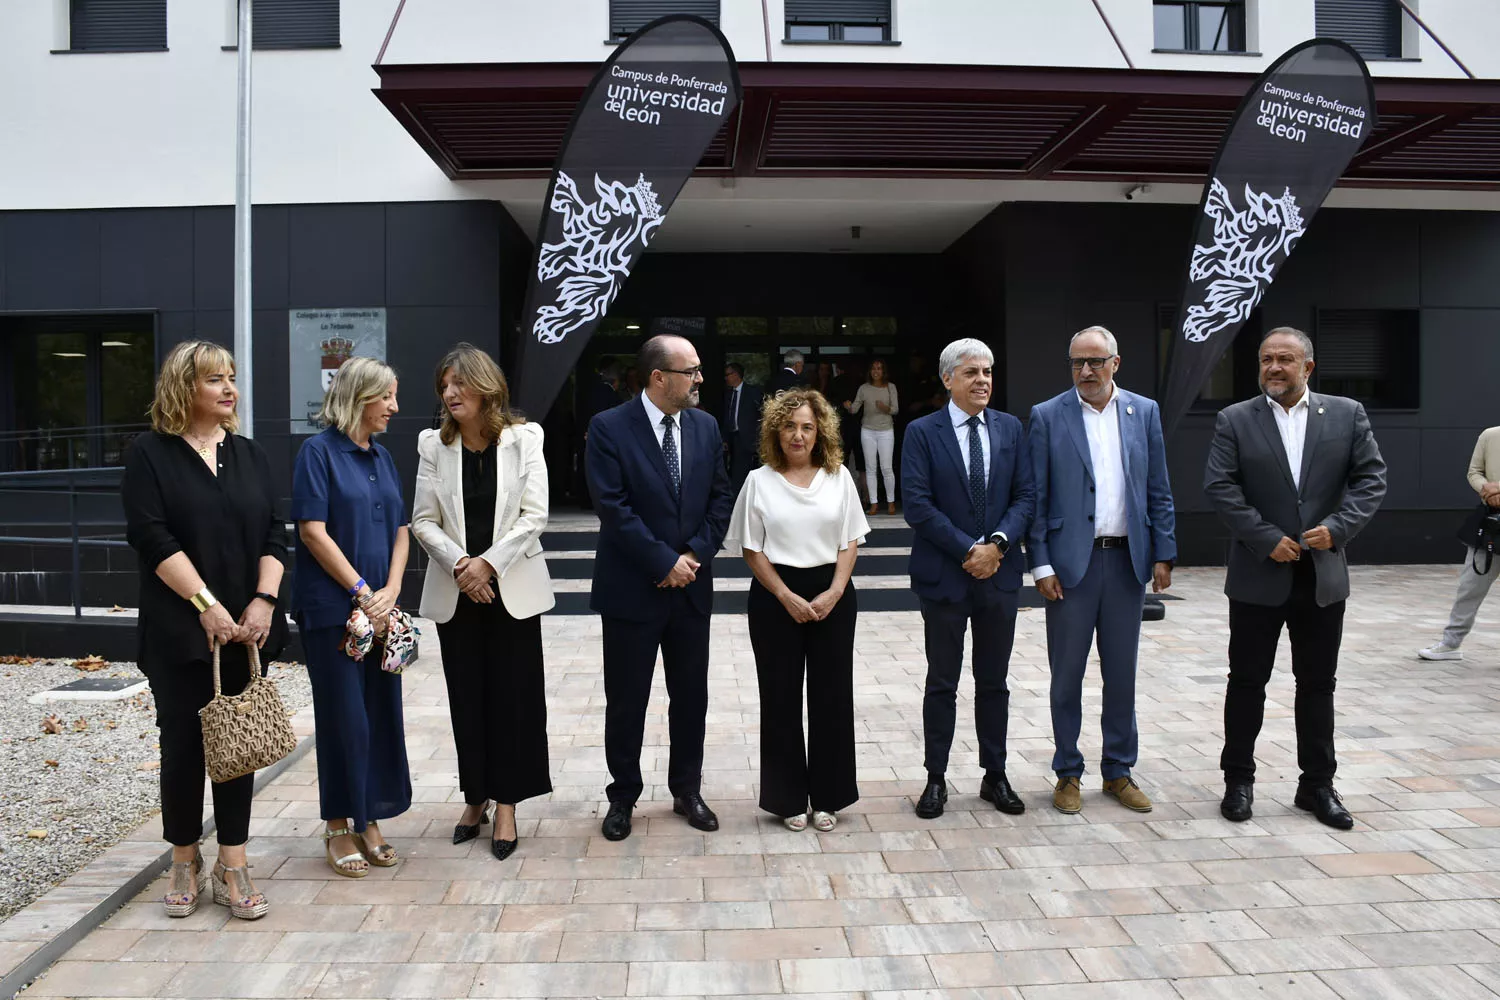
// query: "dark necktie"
[[976, 471], [734, 409], [669, 452]]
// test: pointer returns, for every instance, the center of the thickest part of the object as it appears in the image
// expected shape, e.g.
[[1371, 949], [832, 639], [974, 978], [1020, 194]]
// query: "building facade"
[[900, 173]]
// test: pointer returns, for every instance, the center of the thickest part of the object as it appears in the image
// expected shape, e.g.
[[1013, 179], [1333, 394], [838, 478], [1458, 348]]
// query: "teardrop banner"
[[640, 129], [1292, 138]]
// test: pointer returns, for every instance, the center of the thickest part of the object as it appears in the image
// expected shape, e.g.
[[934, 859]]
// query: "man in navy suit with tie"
[[656, 473], [1104, 528], [967, 491]]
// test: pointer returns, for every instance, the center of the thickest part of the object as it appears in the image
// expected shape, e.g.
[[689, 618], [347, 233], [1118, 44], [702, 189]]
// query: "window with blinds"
[[838, 20], [295, 24], [1372, 27], [117, 25], [1370, 355], [628, 16]]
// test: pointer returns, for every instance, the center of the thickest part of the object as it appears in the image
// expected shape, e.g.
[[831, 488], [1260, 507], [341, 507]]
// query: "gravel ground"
[[87, 786]]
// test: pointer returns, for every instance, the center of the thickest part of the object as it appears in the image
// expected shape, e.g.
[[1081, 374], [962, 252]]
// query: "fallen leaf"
[[116, 610], [111, 724], [90, 663], [80, 724], [150, 765], [11, 659], [50, 763], [37, 834], [52, 724]]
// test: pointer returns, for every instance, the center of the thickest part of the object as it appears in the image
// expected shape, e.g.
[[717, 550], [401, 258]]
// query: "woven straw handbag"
[[244, 732]]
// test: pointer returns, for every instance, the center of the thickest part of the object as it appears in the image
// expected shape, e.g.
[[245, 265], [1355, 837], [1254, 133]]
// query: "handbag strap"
[[254, 666]]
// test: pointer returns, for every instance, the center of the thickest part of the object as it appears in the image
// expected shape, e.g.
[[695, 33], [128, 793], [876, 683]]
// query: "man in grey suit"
[[1294, 476]]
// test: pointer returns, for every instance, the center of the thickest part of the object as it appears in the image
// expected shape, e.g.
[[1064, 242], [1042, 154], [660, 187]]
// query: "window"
[[1233, 378], [1373, 27], [1370, 355], [117, 25], [838, 20], [296, 24], [1200, 25], [628, 16]]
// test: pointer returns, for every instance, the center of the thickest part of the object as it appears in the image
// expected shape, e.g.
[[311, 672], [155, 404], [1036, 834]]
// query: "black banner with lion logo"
[[640, 129], [1292, 138]]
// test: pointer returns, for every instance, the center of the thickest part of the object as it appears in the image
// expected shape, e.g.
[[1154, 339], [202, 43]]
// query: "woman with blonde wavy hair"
[[351, 520], [479, 511], [798, 523], [200, 512]]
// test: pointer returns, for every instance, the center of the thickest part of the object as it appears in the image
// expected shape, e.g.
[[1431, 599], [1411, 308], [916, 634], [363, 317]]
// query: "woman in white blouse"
[[877, 431], [798, 523]]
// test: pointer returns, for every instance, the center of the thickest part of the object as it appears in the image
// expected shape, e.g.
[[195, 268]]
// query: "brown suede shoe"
[[1129, 794], [1068, 797]]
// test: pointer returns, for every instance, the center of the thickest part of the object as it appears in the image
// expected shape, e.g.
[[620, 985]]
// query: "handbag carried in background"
[[244, 732], [1481, 532]]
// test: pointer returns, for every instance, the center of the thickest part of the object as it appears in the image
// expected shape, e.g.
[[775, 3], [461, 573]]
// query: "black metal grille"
[[296, 24], [1373, 27], [117, 25], [628, 16]]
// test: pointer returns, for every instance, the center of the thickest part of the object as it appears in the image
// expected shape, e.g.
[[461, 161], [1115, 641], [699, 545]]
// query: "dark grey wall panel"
[[52, 258], [146, 259], [1444, 467], [1402, 450], [443, 252], [1460, 259], [213, 258], [336, 255], [1459, 348], [270, 269]]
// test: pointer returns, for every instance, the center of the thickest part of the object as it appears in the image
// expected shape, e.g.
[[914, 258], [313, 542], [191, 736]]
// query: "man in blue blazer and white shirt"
[[1104, 528], [656, 472], [966, 488]]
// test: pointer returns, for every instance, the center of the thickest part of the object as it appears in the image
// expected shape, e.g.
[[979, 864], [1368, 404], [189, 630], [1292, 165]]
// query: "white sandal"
[[824, 822], [796, 823]]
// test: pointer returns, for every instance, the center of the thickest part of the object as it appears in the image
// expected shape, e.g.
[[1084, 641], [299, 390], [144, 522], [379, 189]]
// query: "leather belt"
[[1111, 542]]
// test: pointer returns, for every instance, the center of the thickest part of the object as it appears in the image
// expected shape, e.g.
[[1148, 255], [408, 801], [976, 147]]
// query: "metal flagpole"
[[244, 340]]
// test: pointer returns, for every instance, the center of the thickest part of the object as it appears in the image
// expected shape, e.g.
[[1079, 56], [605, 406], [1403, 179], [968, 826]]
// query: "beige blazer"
[[437, 520]]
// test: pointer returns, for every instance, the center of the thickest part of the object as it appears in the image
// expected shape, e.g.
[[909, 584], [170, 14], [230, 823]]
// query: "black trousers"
[[180, 690], [943, 625], [629, 661], [785, 652], [1254, 631], [498, 700]]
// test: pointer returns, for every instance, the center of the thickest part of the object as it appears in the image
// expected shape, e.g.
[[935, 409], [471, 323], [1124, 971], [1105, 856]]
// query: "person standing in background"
[[1473, 584], [876, 403], [740, 426]]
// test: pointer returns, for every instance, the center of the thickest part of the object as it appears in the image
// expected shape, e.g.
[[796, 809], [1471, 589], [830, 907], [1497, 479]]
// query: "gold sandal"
[[384, 855], [251, 904], [343, 865], [186, 885]]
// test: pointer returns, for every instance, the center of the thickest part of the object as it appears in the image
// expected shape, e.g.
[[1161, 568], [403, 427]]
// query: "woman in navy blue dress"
[[346, 500]]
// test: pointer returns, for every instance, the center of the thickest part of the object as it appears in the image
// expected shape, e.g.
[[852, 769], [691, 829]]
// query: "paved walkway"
[[1176, 903]]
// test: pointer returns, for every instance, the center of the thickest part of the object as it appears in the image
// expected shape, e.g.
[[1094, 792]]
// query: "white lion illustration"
[[599, 244], [1247, 248]]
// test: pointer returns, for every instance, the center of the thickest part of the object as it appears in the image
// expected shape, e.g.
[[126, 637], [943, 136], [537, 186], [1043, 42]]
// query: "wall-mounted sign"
[[320, 340]]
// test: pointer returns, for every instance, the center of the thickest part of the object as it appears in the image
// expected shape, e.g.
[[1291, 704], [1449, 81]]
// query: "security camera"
[[1139, 189]]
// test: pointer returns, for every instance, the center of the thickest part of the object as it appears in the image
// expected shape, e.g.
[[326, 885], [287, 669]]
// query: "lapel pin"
[[1320, 409], [1130, 411]]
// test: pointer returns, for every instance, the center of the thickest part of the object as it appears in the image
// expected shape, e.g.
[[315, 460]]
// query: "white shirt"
[[793, 526], [654, 415], [1293, 428], [1102, 427], [1103, 430], [961, 428]]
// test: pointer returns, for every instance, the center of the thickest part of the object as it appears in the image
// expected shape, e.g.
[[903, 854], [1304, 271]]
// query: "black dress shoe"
[[699, 816], [1002, 795], [1238, 797], [1324, 803], [463, 833], [616, 824], [930, 805], [503, 849]]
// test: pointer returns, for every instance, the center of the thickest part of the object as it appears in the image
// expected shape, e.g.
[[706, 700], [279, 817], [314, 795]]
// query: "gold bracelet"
[[203, 600]]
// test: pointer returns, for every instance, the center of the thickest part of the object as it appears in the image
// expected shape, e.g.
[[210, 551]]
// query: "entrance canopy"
[[822, 120]]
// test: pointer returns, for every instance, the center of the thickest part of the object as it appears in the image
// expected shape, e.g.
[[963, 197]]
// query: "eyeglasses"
[[693, 373], [1094, 363]]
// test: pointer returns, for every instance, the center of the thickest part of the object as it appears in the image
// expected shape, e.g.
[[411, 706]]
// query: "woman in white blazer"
[[479, 511]]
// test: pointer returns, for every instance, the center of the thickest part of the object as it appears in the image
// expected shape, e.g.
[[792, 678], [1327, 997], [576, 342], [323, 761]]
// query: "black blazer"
[[224, 523], [744, 443], [643, 526], [785, 379]]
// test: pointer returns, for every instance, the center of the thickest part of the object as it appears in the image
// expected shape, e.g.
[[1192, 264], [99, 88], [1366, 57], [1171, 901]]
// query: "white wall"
[[149, 129]]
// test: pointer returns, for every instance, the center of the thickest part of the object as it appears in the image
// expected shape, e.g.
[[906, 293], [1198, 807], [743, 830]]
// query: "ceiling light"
[[117, 343], [632, 326], [68, 354]]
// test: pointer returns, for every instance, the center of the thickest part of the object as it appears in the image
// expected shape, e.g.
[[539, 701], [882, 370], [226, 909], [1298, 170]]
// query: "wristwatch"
[[1000, 542]]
